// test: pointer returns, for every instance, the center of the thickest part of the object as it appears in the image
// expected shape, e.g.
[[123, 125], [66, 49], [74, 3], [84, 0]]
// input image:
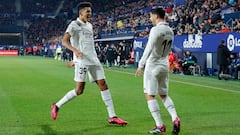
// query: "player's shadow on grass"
[[47, 130]]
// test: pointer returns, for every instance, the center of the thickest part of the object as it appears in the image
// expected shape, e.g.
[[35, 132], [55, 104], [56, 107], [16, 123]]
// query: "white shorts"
[[95, 72], [155, 80]]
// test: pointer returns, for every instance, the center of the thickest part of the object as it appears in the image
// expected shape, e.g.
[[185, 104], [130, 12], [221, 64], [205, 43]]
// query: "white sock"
[[168, 103], [155, 111], [107, 99], [70, 95]]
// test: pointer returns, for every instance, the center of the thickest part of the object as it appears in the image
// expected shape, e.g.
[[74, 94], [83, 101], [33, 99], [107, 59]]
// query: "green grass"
[[28, 86]]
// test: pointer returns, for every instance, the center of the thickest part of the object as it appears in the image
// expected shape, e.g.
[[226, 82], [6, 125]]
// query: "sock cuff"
[[153, 105], [164, 99], [152, 101], [106, 95], [74, 92]]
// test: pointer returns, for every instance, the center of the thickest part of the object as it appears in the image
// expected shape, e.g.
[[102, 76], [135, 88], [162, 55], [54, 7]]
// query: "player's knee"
[[79, 92], [102, 84], [149, 97], [104, 87], [80, 88], [163, 96]]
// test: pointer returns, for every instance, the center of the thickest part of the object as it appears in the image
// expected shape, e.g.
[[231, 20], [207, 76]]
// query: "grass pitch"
[[28, 86]]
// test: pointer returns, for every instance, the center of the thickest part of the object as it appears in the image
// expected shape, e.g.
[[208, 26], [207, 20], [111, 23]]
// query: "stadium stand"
[[119, 18], [40, 6], [129, 17], [43, 22], [7, 10]]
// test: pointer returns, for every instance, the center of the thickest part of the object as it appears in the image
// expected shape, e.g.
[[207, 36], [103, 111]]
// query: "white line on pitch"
[[211, 87], [188, 83]]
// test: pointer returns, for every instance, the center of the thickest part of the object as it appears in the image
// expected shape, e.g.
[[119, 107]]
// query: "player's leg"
[[154, 109], [66, 98], [96, 74], [71, 94], [167, 101], [107, 99], [169, 105], [80, 77], [150, 90]]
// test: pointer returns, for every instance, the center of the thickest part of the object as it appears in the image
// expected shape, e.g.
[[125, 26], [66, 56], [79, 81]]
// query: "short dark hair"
[[82, 5], [159, 11], [222, 41]]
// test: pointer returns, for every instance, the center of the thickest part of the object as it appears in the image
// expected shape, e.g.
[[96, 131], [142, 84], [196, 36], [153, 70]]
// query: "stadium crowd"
[[39, 6], [129, 17], [117, 18], [6, 13]]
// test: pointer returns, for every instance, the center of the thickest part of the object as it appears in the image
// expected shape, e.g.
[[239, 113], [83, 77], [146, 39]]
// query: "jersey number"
[[166, 46]]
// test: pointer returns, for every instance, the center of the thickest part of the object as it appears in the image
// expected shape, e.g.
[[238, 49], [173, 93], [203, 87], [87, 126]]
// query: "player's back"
[[161, 49]]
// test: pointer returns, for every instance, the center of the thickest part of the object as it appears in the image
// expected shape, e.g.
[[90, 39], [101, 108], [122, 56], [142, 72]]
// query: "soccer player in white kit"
[[156, 72], [79, 39]]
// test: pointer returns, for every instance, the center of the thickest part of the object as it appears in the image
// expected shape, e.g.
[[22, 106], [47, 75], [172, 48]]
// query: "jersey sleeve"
[[152, 40], [69, 29]]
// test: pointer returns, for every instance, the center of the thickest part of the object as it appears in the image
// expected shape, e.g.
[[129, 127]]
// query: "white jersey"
[[158, 46], [82, 39]]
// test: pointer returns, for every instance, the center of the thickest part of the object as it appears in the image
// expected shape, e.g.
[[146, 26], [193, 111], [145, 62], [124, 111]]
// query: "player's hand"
[[70, 64], [139, 71], [78, 53]]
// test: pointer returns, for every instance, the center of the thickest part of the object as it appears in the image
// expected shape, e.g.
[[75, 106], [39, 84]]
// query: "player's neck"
[[159, 20], [82, 19]]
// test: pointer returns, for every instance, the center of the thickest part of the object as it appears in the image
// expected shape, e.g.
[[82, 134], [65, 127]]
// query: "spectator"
[[110, 54], [206, 26], [124, 53], [223, 59], [188, 61], [173, 62], [58, 53], [119, 24], [235, 65], [236, 25], [98, 51]]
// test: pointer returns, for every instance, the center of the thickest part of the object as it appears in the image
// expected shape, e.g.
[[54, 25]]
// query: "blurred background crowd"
[[44, 22]]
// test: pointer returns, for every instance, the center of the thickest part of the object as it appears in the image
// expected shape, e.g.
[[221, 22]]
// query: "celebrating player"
[[79, 39], [155, 60]]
